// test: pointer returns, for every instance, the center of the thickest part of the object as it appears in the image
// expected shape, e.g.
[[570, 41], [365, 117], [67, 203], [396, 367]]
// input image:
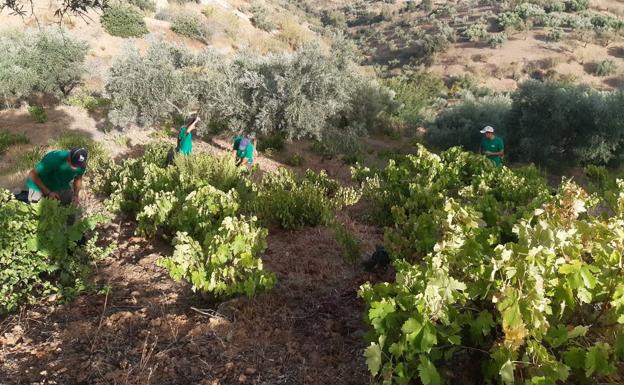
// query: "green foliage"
[[461, 124], [197, 201], [604, 183], [336, 19], [577, 5], [350, 245], [38, 114], [89, 102], [336, 142], [486, 259], [371, 107], [496, 40], [294, 95], [295, 160], [555, 34], [545, 123], [293, 202], [46, 61], [274, 142], [416, 92], [224, 264], [555, 6], [476, 32], [144, 5], [191, 25], [39, 256], [123, 20], [605, 67], [8, 139], [565, 124]]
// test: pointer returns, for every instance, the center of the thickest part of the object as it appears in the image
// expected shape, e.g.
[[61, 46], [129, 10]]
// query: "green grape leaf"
[[427, 372], [507, 372], [574, 358], [373, 358], [578, 331], [597, 360], [429, 338]]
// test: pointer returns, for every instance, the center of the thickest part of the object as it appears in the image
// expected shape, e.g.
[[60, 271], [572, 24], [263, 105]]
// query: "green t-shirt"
[[246, 153], [493, 145], [186, 141], [55, 172]]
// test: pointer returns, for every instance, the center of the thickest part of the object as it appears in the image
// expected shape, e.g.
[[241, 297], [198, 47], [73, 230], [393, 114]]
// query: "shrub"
[[261, 19], [496, 40], [40, 256], [370, 107], [335, 142], [432, 46], [509, 21], [476, 32], [144, 89], [293, 202], [336, 19], [461, 124], [605, 68], [555, 34], [144, 5], [216, 248], [350, 245], [416, 92], [191, 25], [123, 20], [294, 95], [555, 123], [38, 114], [556, 6], [577, 5], [459, 234], [8, 139], [89, 102], [45, 61], [295, 160]]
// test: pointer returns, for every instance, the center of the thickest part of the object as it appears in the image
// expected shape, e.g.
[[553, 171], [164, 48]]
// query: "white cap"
[[487, 129]]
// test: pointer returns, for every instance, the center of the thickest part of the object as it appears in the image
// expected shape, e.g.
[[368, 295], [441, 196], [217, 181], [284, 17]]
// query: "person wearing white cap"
[[492, 146]]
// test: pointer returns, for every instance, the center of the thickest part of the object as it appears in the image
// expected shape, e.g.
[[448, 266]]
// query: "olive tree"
[[46, 61]]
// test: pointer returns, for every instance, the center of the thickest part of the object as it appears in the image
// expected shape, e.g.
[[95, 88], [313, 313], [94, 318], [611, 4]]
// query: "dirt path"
[[307, 330]]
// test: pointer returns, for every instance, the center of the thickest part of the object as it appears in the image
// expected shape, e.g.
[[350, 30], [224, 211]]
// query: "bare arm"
[[77, 188], [191, 127]]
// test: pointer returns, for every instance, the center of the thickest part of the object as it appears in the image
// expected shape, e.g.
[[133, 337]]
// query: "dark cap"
[[78, 157]]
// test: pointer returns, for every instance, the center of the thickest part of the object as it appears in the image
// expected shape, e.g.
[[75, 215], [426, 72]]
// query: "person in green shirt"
[[492, 146], [185, 137], [52, 176], [244, 149]]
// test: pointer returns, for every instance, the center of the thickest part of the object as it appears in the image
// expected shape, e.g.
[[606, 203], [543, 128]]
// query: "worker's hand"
[[54, 196], [487, 153]]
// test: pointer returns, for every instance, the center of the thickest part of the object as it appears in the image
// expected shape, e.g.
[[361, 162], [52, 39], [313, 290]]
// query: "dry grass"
[[292, 33], [223, 21]]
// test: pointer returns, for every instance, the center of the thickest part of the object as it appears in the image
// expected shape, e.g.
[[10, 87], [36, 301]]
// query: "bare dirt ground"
[[148, 329]]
